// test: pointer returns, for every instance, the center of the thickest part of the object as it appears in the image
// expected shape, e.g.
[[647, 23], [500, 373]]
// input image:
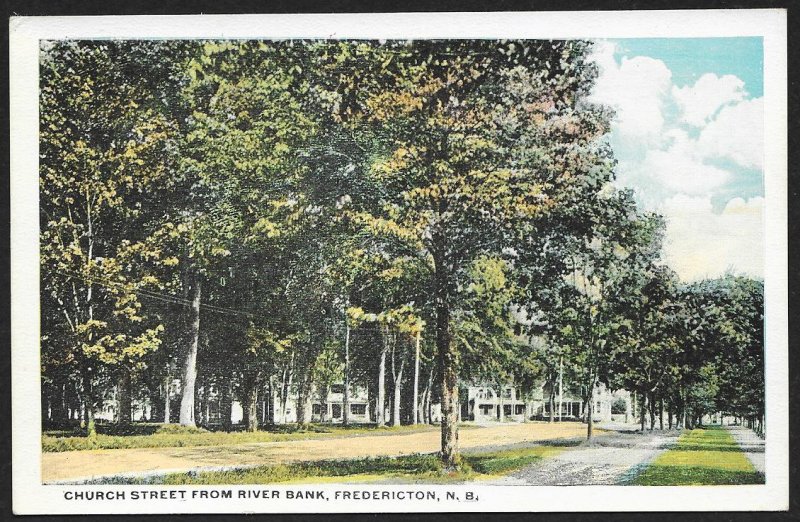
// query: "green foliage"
[[618, 406]]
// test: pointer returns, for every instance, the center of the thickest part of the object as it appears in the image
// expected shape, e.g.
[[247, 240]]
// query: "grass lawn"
[[705, 456], [151, 435], [409, 468]]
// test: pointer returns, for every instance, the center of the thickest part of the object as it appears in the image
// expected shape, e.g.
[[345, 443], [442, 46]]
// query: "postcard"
[[399, 262]]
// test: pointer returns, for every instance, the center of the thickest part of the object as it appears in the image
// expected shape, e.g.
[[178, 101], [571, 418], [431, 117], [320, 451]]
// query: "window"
[[358, 409], [507, 409], [507, 393], [486, 409], [519, 409], [337, 411], [316, 409], [337, 388]]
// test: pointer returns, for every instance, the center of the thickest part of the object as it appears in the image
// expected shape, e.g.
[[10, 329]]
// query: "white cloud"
[[700, 243], [737, 133], [680, 169], [668, 141], [636, 88], [700, 102]]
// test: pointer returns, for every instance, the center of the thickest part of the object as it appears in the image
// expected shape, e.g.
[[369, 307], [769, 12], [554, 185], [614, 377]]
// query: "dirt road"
[[79, 466], [608, 460]]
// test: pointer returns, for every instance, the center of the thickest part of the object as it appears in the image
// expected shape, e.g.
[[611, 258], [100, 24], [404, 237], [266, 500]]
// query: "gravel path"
[[752, 445], [608, 460]]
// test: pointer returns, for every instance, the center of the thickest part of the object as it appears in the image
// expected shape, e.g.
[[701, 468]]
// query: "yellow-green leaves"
[[403, 318]]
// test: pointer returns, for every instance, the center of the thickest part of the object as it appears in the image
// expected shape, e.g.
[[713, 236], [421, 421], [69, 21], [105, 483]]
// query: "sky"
[[688, 136]]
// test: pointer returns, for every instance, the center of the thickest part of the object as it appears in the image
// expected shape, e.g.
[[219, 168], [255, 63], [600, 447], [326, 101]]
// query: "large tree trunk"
[[303, 396], [74, 401], [398, 380], [285, 387], [58, 403], [643, 410], [202, 410], [448, 363], [271, 401], [500, 411], [167, 384], [199, 401], [207, 406], [323, 400], [590, 413], [429, 396], [380, 402], [124, 397], [670, 407], [251, 407], [661, 414], [416, 378], [346, 390], [46, 398], [89, 404], [226, 406], [190, 363], [683, 409], [526, 398], [552, 403], [88, 389], [426, 398], [422, 411], [651, 403], [560, 388], [156, 405]]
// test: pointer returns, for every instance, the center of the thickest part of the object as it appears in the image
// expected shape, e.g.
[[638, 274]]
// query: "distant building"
[[332, 409], [485, 404], [482, 404], [488, 404]]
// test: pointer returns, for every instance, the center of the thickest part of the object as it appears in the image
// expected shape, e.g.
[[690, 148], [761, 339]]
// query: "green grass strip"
[[705, 456]]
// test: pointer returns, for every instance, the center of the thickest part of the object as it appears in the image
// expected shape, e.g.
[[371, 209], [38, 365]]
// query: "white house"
[[490, 404]]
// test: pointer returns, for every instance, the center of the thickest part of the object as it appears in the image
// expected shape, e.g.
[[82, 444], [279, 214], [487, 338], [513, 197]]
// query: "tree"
[[244, 125], [445, 117], [105, 152], [486, 328], [723, 366], [648, 344]]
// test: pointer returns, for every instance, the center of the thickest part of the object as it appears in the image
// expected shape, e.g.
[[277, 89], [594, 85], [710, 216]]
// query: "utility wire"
[[166, 298], [173, 299]]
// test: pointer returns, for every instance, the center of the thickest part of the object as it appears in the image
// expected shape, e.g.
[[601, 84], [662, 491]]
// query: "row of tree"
[[292, 214]]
